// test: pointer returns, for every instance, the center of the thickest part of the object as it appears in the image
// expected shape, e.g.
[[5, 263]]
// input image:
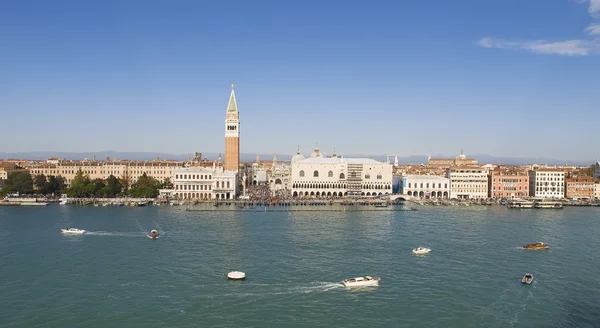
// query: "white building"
[[280, 177], [468, 182], [432, 186], [204, 183], [597, 190], [338, 176], [547, 183]]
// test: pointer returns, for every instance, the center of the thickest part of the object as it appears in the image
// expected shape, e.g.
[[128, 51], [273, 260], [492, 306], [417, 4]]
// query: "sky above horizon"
[[516, 78]]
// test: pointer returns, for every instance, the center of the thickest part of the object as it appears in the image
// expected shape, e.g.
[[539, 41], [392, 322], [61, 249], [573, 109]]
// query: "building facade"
[[279, 177], [460, 160], [508, 184], [128, 171], [428, 186], [467, 182], [547, 183], [232, 135], [597, 190], [579, 187], [204, 183], [339, 177]]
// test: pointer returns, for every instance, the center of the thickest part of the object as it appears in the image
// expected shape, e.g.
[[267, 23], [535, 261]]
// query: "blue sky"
[[506, 78]]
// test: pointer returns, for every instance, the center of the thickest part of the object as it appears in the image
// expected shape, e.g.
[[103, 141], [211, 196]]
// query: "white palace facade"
[[204, 183], [338, 177]]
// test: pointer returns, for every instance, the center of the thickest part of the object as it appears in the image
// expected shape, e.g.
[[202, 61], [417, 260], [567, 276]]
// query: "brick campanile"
[[232, 135]]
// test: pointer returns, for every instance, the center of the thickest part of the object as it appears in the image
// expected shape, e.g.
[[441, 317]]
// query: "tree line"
[[82, 186]]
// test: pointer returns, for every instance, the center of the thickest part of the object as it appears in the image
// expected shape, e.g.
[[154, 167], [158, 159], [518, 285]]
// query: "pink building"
[[509, 184]]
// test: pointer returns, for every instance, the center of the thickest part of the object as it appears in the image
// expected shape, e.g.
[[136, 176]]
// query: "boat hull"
[[366, 281], [421, 251], [526, 281], [236, 275], [536, 246], [68, 232], [370, 283]]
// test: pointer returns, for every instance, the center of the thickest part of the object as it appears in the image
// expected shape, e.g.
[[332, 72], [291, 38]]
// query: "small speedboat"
[[366, 281], [527, 279], [72, 231], [236, 275], [153, 234], [421, 251], [536, 246]]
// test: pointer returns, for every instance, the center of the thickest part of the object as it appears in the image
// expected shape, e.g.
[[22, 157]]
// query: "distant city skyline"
[[414, 79]]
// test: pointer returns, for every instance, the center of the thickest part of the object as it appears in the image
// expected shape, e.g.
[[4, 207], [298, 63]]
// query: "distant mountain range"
[[250, 157]]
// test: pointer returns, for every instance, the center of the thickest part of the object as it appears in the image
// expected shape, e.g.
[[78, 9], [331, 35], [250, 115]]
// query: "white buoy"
[[236, 275]]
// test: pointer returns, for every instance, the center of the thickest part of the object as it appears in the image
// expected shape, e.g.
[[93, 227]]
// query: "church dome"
[[297, 157], [316, 153]]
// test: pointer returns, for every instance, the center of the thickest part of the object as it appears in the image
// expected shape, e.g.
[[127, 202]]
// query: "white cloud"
[[593, 29], [594, 8], [564, 48]]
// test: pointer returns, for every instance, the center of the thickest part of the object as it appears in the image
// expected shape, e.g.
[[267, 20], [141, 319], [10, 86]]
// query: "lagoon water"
[[115, 276]]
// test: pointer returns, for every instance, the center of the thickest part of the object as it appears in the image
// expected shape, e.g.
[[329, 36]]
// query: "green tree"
[[145, 187], [55, 184], [114, 186], [20, 182], [125, 180], [79, 185], [41, 184]]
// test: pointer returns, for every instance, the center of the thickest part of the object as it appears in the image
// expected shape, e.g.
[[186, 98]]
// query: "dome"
[[462, 155], [316, 153], [297, 157]]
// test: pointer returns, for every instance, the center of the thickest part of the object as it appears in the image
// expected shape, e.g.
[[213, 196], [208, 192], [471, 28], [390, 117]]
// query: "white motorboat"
[[527, 279], [72, 231], [153, 234], [366, 281], [421, 251], [63, 200], [236, 275]]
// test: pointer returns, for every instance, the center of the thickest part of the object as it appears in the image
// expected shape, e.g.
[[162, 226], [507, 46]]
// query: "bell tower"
[[232, 135]]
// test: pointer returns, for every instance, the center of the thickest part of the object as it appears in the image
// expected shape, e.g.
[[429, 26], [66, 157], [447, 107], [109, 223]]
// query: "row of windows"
[[548, 189], [193, 187], [549, 183], [427, 185], [108, 172], [193, 176], [342, 176], [510, 180], [337, 186]]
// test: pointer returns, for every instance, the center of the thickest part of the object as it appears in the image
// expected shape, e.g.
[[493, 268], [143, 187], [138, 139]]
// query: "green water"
[[294, 261]]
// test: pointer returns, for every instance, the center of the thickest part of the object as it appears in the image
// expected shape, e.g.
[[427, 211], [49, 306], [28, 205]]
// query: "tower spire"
[[232, 106]]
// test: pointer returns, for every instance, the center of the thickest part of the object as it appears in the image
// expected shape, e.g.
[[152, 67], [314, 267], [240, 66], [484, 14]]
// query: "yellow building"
[[129, 170]]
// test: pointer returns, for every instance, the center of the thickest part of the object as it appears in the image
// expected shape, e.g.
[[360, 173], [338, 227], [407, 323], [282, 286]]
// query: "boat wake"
[[505, 310], [112, 234], [315, 287]]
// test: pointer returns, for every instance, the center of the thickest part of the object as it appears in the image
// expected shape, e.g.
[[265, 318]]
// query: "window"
[[330, 174], [342, 176], [302, 173], [379, 176], [316, 174], [367, 176]]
